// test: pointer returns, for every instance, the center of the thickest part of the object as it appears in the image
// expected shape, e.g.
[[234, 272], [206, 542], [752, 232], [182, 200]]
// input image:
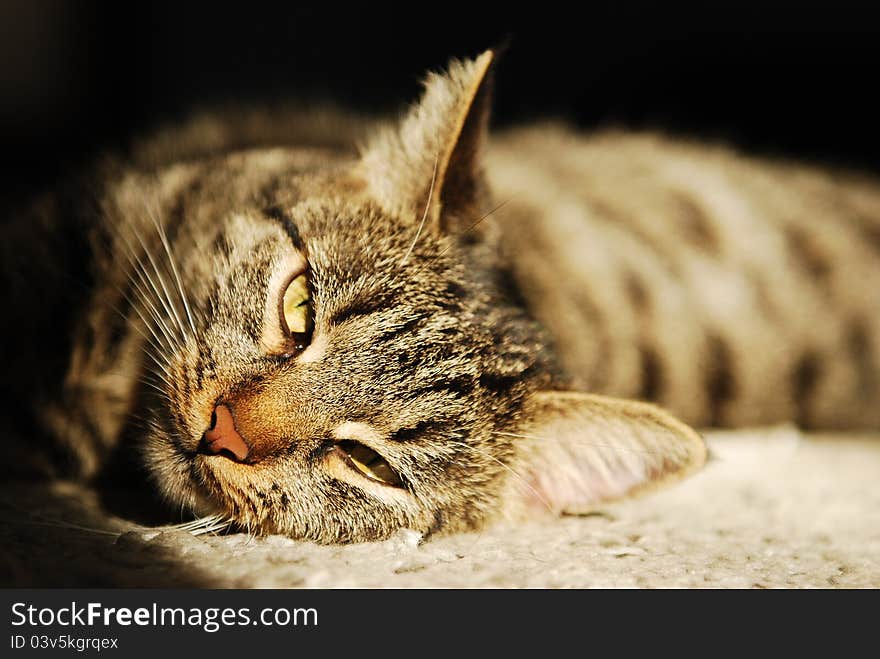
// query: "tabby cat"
[[332, 328]]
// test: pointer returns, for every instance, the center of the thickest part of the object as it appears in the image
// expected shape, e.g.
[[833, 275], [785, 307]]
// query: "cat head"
[[351, 360]]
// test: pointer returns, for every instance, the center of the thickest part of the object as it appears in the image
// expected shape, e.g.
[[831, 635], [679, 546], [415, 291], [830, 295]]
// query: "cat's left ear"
[[578, 450], [429, 164]]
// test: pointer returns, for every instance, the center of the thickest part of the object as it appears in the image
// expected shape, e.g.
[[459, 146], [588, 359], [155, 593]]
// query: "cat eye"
[[368, 463], [296, 310]]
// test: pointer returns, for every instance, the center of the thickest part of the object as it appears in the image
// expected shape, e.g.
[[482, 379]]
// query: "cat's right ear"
[[428, 166], [579, 450]]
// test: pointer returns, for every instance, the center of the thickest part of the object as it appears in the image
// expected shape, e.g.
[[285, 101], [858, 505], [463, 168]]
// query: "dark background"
[[78, 77]]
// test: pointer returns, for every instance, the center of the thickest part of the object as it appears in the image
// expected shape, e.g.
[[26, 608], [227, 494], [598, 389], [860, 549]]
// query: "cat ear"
[[429, 164], [580, 450]]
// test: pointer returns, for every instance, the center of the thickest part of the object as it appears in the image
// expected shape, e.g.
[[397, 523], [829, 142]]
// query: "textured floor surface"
[[773, 509]]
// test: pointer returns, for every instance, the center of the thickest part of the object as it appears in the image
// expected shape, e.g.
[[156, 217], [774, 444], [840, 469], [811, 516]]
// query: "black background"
[[799, 79]]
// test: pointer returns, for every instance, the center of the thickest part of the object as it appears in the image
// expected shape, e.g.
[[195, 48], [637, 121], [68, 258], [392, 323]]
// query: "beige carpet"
[[773, 509]]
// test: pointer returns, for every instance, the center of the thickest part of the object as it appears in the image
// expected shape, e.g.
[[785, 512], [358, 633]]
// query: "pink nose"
[[223, 436]]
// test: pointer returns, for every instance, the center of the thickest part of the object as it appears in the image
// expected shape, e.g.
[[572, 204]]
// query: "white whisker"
[[204, 525], [156, 341], [167, 247], [424, 215], [145, 277], [170, 306]]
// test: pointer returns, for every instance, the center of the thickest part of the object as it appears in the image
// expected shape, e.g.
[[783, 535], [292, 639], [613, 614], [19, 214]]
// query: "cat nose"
[[224, 436]]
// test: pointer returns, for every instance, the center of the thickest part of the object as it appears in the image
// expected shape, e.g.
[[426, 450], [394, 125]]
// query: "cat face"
[[350, 363], [380, 415]]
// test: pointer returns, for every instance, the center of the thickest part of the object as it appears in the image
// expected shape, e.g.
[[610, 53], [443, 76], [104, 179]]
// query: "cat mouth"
[[366, 462]]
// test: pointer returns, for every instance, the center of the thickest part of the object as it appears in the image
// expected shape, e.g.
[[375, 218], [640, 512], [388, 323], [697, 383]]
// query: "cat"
[[334, 328]]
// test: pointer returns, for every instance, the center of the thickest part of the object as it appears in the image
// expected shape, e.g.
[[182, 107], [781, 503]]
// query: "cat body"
[[732, 290], [456, 296]]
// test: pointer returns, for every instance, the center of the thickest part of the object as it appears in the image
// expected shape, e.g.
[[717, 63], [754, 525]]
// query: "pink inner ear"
[[585, 449], [581, 487]]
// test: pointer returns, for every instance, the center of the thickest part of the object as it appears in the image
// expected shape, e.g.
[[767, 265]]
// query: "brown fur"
[[735, 291], [449, 332]]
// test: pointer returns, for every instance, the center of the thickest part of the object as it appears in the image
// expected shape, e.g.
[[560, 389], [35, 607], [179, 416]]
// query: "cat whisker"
[[156, 340], [154, 315], [150, 349], [424, 215], [139, 267], [37, 519], [162, 392], [58, 524], [170, 307], [165, 374], [201, 526], [164, 238], [482, 218], [204, 525], [473, 226], [213, 528], [154, 343], [129, 321]]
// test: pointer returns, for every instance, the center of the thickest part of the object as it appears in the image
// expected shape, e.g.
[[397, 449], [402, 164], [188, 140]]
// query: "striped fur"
[[734, 291], [484, 313]]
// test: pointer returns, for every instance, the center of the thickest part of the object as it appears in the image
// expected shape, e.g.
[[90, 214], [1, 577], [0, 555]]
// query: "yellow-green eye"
[[296, 311]]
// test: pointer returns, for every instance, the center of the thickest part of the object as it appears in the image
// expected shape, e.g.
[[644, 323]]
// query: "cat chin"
[[201, 506], [171, 472], [181, 493]]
